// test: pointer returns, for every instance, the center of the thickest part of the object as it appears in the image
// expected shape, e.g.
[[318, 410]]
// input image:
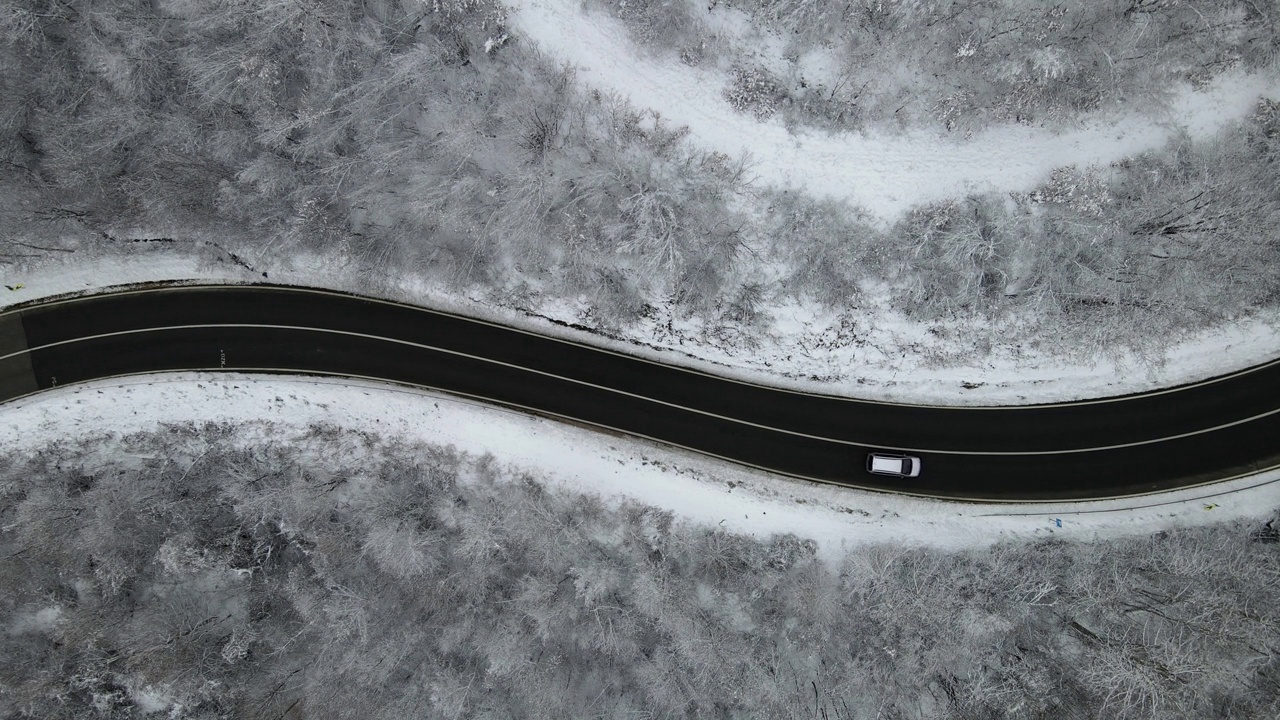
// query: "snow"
[[695, 488], [755, 43], [42, 620], [884, 174], [873, 353], [78, 277], [149, 700]]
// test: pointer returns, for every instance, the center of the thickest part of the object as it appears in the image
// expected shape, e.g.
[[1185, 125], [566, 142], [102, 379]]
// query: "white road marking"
[[691, 371], [824, 481], [642, 397]]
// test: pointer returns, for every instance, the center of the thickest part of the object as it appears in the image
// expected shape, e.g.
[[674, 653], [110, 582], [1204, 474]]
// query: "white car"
[[895, 465]]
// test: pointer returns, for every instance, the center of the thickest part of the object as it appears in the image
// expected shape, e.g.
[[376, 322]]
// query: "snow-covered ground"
[[699, 489], [884, 174], [872, 354], [875, 354]]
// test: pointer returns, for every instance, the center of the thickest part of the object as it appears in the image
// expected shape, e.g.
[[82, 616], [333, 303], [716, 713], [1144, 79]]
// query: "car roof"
[[886, 464]]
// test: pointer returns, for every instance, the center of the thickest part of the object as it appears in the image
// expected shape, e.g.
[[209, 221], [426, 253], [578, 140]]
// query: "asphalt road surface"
[[1198, 433]]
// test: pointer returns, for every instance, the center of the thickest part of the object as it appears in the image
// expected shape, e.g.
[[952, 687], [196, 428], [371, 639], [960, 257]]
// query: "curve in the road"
[[1201, 432]]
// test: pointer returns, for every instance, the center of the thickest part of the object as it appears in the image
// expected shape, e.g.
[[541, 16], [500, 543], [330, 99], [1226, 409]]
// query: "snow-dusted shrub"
[[746, 303], [616, 298], [822, 248], [476, 25], [1267, 139], [951, 109], [400, 550], [673, 28], [540, 131], [650, 228], [1083, 189], [753, 89], [955, 250]]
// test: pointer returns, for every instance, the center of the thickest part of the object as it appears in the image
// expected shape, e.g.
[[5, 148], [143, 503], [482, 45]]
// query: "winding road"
[[1203, 432]]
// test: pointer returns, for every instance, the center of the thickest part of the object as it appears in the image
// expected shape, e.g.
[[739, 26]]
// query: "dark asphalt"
[[972, 453]]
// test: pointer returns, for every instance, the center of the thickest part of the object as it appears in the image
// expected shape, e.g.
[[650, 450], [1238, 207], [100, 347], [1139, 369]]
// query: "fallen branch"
[[39, 247]]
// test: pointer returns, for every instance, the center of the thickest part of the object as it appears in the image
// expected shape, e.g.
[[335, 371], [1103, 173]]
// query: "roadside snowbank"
[[702, 490], [885, 175], [868, 355]]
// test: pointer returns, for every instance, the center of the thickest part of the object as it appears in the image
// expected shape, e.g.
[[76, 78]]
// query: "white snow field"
[[696, 488], [883, 174]]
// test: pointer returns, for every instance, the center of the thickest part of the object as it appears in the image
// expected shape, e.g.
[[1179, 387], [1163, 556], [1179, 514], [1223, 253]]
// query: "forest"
[[401, 139], [211, 571], [202, 571], [958, 64]]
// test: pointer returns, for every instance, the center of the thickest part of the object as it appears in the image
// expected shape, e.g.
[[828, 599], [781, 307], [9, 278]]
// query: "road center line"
[[681, 368], [642, 397]]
